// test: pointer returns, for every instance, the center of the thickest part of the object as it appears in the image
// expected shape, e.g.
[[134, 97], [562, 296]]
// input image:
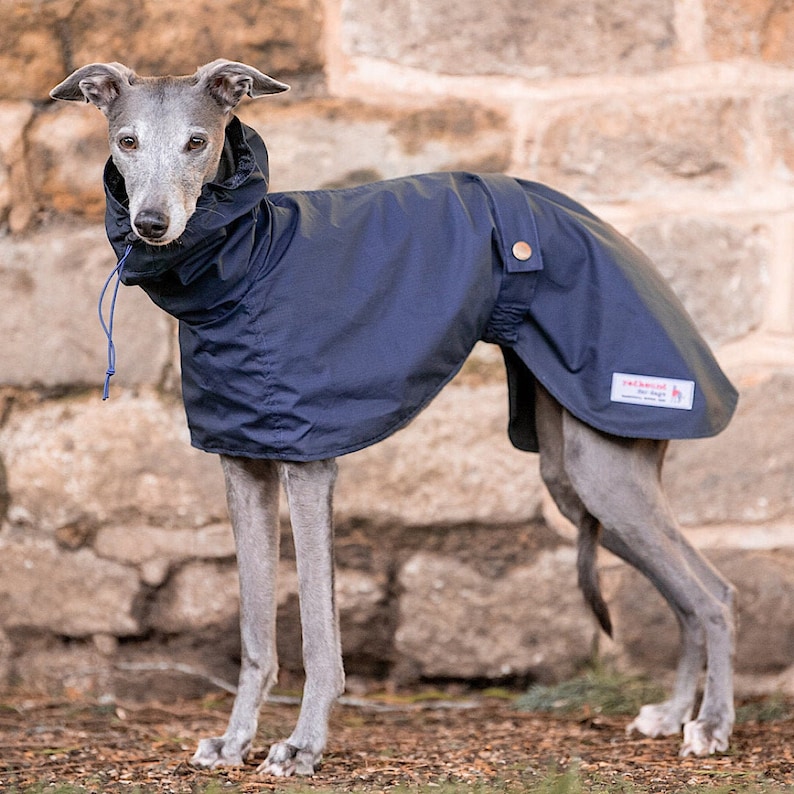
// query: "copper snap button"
[[522, 250]]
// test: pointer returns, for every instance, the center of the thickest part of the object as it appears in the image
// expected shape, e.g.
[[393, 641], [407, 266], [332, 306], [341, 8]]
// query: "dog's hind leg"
[[252, 490], [548, 423], [309, 488], [619, 482], [710, 640]]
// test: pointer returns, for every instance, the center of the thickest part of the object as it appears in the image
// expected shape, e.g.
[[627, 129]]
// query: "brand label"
[[652, 391]]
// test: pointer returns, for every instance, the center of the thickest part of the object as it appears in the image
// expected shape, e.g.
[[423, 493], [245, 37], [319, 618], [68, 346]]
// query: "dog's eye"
[[128, 142], [196, 142]]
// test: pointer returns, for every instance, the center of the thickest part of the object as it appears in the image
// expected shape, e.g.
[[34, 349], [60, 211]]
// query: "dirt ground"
[[116, 748]]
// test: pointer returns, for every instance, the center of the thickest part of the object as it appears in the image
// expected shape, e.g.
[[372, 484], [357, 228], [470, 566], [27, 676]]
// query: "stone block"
[[153, 37], [365, 621], [779, 118], [52, 668], [751, 29], [68, 148], [646, 632], [16, 198], [72, 594], [156, 550], [283, 37], [137, 545], [719, 271], [743, 474], [556, 38], [626, 148], [456, 623], [50, 283], [765, 584], [452, 464], [333, 143], [198, 596], [31, 52], [80, 463]]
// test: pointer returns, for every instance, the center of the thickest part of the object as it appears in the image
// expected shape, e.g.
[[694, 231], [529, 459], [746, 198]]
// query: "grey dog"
[[172, 142]]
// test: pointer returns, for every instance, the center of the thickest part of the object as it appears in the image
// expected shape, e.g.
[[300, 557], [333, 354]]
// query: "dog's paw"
[[285, 760], [702, 737], [215, 752], [656, 720]]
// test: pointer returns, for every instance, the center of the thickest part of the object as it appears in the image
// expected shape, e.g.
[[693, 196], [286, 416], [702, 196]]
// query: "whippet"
[[175, 146]]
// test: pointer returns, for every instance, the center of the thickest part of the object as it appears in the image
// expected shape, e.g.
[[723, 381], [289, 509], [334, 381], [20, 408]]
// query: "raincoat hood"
[[224, 235]]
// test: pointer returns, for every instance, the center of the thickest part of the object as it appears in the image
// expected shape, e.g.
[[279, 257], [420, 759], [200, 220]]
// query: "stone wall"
[[673, 119]]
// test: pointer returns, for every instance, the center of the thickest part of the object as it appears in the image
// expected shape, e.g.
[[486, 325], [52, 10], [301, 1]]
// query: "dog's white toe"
[[285, 760], [704, 738], [215, 752], [656, 720]]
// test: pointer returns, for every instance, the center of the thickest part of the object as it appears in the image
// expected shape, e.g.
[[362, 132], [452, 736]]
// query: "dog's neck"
[[227, 164]]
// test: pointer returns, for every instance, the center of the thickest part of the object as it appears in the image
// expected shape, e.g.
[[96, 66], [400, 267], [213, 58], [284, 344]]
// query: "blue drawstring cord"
[[108, 327]]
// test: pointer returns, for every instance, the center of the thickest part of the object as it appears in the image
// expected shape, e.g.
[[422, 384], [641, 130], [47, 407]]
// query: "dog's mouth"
[[157, 242]]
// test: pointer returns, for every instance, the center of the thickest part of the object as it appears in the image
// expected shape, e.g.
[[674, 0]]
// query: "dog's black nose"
[[151, 224]]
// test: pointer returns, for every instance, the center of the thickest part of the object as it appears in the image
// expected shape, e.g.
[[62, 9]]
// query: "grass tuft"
[[598, 690], [768, 709]]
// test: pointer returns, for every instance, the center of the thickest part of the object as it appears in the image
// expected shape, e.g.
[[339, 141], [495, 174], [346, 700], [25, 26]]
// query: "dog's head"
[[166, 134]]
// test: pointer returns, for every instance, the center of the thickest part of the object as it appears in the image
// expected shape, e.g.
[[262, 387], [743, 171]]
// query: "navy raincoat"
[[313, 324]]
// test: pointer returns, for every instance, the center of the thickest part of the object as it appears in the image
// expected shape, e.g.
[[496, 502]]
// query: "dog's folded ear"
[[228, 81], [98, 83]]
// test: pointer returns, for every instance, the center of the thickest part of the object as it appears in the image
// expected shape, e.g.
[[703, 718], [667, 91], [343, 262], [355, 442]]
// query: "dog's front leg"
[[309, 488], [252, 490]]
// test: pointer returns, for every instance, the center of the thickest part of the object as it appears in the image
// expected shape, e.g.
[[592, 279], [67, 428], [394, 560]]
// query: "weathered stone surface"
[[84, 463], [452, 464], [455, 624], [329, 143], [31, 52], [560, 37], [152, 37], [365, 621], [743, 474], [626, 149], [69, 594], [139, 545], [50, 283], [750, 28], [155, 550], [689, 252], [51, 667], [199, 595], [68, 148], [779, 116], [647, 633], [16, 197], [765, 581]]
